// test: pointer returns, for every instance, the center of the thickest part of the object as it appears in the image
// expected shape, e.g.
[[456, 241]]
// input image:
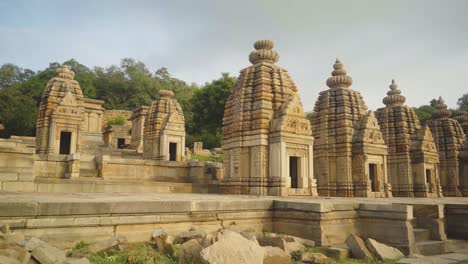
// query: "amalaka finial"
[[166, 94], [339, 78], [394, 96], [263, 52], [64, 72], [441, 109]]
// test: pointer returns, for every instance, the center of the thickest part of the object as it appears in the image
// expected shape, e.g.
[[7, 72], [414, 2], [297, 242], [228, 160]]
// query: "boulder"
[[192, 234], [272, 241], [291, 247], [209, 239], [163, 242], [32, 243], [358, 248], [4, 229], [316, 258], [190, 252], [303, 241], [275, 255], [339, 253], [47, 254], [383, 251], [233, 248], [16, 254]]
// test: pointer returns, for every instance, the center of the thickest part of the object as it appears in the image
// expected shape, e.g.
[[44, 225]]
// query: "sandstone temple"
[[330, 178], [269, 145]]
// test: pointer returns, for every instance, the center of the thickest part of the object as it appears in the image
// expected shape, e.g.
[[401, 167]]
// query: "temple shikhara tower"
[[449, 137], [267, 140], [462, 118], [350, 153], [412, 163], [164, 129], [58, 127]]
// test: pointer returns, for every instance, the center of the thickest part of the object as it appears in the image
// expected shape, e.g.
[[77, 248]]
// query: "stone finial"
[[339, 78], [394, 96], [263, 52], [65, 72], [441, 109], [462, 117], [166, 94]]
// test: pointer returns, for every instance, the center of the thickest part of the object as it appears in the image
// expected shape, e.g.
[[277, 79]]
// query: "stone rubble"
[[358, 248]]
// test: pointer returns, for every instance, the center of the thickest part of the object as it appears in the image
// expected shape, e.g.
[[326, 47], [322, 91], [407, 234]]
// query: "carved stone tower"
[[350, 153], [412, 163], [58, 127], [267, 140], [164, 129], [449, 137], [462, 118]]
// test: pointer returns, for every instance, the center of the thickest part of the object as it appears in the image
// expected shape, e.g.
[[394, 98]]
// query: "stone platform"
[[64, 219]]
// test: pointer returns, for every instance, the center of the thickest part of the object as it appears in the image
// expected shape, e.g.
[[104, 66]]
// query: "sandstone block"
[[33, 243], [338, 253], [190, 252], [275, 255], [272, 241], [192, 234], [161, 238], [316, 258], [233, 248], [291, 247], [383, 251], [16, 253], [358, 247], [8, 260], [47, 254], [303, 241]]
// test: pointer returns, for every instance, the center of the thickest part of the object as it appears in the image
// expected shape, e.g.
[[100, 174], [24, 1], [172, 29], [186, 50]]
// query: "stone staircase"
[[88, 166], [428, 247]]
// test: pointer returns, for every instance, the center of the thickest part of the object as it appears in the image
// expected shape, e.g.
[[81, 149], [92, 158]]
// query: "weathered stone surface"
[[272, 241], [233, 248], [78, 261], [190, 252], [47, 254], [358, 247], [32, 243], [316, 258], [192, 234], [275, 255], [383, 251], [303, 241], [338, 253], [162, 241], [291, 247], [8, 260], [15, 253]]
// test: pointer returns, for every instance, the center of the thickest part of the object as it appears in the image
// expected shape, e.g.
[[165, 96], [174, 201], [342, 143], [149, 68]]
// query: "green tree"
[[208, 110], [85, 76], [463, 103]]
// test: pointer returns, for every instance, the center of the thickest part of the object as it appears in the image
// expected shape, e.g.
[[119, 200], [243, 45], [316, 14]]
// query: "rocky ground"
[[230, 245]]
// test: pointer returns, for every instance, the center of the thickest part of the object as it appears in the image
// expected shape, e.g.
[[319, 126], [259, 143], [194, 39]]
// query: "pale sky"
[[422, 44]]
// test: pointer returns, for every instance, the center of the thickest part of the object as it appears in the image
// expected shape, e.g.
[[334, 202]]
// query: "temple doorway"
[[428, 179], [293, 171], [172, 151], [120, 143], [65, 142], [373, 177]]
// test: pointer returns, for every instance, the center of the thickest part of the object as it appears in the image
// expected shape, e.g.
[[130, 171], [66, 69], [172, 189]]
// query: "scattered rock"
[[303, 241], [192, 234], [275, 255], [291, 247], [339, 253], [358, 248], [190, 252], [4, 229], [272, 241], [47, 254], [162, 241], [209, 239], [383, 251], [316, 258], [15, 254], [233, 248], [32, 243]]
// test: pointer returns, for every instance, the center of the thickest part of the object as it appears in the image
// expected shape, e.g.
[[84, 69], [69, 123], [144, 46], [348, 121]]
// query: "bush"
[[119, 120]]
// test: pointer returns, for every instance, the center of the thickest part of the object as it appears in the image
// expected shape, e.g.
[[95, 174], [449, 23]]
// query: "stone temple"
[[449, 138], [412, 162], [350, 156], [267, 140]]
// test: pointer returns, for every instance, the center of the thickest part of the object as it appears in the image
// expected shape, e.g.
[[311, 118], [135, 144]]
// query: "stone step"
[[432, 247], [421, 234], [88, 172], [87, 165]]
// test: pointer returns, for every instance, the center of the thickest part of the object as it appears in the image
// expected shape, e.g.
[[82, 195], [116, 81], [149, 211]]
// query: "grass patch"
[[297, 256], [218, 158], [135, 253]]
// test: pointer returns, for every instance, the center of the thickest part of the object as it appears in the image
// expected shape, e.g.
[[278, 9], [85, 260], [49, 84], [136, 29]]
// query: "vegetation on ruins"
[[125, 87], [119, 120]]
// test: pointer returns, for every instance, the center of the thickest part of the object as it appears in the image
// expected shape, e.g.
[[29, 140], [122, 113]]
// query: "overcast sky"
[[422, 44]]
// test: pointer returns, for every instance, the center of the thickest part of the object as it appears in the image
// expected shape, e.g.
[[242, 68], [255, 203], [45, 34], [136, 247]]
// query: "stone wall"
[[17, 163], [112, 114]]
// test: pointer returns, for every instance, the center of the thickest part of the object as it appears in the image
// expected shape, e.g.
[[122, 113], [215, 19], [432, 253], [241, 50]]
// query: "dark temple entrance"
[[373, 177], [65, 142], [172, 151], [120, 143], [293, 171]]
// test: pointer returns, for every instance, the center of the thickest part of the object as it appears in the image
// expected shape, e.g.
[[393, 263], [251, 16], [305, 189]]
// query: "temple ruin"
[[462, 118], [412, 162], [267, 140], [449, 137], [164, 129]]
